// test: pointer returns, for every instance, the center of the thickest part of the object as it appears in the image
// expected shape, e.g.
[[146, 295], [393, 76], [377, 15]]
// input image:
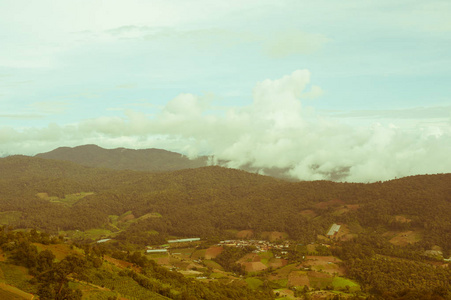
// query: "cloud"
[[203, 38], [294, 42], [315, 92], [275, 131], [436, 112], [125, 86], [21, 116], [50, 107]]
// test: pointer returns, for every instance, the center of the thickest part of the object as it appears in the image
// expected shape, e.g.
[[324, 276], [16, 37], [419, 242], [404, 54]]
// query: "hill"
[[209, 201], [402, 224], [154, 160]]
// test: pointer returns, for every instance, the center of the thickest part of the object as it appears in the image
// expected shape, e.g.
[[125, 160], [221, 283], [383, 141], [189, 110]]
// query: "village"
[[259, 245]]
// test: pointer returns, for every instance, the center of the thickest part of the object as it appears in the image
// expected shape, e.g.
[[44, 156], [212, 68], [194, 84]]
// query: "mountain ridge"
[[398, 223], [152, 159]]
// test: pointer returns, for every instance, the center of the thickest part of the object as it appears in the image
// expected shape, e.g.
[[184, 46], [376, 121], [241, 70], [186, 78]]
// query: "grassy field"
[[68, 200], [8, 292], [198, 254], [59, 250], [123, 285], [283, 273], [94, 234], [16, 276], [217, 275], [406, 237], [254, 283], [320, 282], [214, 265], [341, 283], [274, 235], [8, 217], [298, 278]]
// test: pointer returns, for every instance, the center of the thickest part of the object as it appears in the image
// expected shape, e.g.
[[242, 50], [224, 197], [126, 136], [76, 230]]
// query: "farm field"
[[68, 200], [405, 238], [9, 292]]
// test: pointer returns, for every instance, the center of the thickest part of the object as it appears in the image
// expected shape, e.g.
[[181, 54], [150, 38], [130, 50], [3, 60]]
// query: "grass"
[[320, 282], [59, 250], [125, 214], [17, 276], [96, 233], [11, 292], [311, 248], [155, 256], [231, 232], [406, 237], [68, 200], [123, 285], [266, 255], [8, 217], [282, 282], [5, 293], [285, 271], [113, 219], [254, 283], [340, 282], [217, 275], [213, 265], [150, 215], [152, 232], [198, 254]]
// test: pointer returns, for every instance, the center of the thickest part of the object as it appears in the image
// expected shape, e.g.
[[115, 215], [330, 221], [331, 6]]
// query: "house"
[[333, 230], [157, 251], [184, 240], [103, 241]]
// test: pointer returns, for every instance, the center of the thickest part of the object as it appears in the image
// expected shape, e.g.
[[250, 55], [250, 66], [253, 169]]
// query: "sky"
[[360, 88]]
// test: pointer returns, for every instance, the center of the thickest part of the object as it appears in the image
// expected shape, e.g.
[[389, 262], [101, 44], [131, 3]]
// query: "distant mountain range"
[[153, 160], [394, 236]]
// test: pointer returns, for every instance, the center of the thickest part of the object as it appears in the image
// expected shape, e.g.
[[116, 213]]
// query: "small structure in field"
[[333, 230], [103, 241], [156, 250], [184, 240]]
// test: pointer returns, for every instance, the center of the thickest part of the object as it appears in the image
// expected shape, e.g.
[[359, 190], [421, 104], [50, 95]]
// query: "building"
[[184, 240], [103, 241], [156, 250], [333, 230]]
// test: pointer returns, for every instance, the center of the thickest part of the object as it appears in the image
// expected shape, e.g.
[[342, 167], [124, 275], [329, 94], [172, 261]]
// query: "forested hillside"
[[154, 160], [207, 201], [393, 227]]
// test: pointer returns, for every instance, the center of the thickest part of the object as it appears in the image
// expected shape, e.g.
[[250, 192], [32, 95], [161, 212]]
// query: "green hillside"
[[154, 160], [400, 220]]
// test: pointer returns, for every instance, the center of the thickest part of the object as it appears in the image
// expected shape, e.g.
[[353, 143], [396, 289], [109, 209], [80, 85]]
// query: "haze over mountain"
[[314, 93], [159, 160]]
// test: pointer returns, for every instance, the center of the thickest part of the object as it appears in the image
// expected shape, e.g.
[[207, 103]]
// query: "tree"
[[54, 281]]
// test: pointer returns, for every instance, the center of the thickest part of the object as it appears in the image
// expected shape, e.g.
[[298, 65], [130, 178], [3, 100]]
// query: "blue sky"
[[312, 86]]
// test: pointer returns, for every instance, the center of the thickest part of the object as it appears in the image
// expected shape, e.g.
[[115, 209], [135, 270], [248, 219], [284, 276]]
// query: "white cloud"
[[274, 131], [294, 42], [315, 92], [49, 107]]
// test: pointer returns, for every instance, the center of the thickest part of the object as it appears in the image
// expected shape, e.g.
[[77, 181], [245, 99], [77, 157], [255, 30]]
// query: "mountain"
[[211, 200], [394, 238], [154, 160], [157, 160]]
